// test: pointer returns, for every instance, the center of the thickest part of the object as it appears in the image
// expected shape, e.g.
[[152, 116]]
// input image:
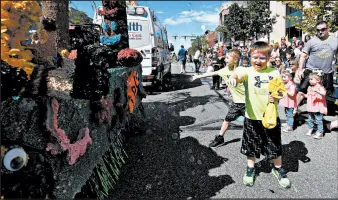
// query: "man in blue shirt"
[[182, 57], [225, 49]]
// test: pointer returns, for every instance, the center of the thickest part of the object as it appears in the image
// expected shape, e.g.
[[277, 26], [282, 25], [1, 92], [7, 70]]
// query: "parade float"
[[64, 118]]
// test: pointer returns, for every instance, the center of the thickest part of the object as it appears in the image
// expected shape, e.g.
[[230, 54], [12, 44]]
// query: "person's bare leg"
[[224, 127], [299, 98], [277, 162], [333, 124], [251, 161]]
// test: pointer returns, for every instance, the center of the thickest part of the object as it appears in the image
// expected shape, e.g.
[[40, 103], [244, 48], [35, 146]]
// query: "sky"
[[181, 18]]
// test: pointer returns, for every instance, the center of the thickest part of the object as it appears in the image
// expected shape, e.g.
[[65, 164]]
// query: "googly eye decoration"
[[15, 159]]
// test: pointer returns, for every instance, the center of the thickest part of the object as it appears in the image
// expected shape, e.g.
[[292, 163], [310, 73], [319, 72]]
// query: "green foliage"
[[200, 41], [237, 22], [319, 10], [260, 17], [242, 23], [222, 29], [79, 17]]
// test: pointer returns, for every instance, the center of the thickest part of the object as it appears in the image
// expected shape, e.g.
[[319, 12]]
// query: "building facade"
[[283, 27], [223, 11]]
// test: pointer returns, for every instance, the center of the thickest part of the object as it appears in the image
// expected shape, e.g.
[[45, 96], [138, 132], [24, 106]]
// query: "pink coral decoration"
[[106, 105], [79, 147], [76, 149]]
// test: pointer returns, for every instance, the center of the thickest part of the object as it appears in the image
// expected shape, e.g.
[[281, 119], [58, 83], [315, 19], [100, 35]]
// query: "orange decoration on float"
[[133, 84]]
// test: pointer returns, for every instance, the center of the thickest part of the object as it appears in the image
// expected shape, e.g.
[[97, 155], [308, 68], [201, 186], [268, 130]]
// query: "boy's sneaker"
[[284, 124], [240, 118], [288, 129], [217, 141], [318, 135], [281, 176], [249, 177], [309, 133]]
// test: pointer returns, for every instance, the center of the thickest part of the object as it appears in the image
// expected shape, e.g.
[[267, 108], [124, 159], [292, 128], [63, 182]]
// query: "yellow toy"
[[277, 90]]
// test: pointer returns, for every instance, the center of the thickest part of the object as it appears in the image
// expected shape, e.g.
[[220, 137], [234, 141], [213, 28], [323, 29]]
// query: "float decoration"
[[16, 19], [74, 150], [129, 57]]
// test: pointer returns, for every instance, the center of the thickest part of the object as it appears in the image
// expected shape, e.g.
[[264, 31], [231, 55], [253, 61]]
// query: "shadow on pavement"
[[161, 165], [230, 141], [178, 82], [302, 118], [293, 152]]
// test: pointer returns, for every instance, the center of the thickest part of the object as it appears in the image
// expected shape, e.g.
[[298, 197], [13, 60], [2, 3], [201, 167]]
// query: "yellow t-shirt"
[[237, 92], [256, 90]]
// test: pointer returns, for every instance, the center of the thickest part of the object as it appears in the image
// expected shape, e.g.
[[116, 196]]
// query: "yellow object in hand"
[[277, 90]]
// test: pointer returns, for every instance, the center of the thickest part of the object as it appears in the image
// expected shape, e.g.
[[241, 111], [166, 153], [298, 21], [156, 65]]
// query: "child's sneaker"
[[288, 129], [284, 124], [217, 141], [318, 135], [309, 133], [249, 177], [240, 118], [281, 176]]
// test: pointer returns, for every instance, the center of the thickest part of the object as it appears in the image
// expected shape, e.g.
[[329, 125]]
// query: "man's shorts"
[[235, 110], [182, 62], [327, 82], [258, 140]]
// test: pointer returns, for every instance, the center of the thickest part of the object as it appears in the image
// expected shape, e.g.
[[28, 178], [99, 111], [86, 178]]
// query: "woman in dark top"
[[307, 38], [282, 52]]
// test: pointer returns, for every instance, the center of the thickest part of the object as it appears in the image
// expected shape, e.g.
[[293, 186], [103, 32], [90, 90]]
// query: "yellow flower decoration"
[[16, 18]]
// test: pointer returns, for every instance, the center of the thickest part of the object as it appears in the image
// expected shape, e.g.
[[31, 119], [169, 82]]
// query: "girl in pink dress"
[[289, 101], [316, 105]]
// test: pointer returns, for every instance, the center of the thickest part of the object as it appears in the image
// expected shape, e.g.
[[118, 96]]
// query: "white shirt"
[[263, 39], [297, 52], [275, 53], [197, 54]]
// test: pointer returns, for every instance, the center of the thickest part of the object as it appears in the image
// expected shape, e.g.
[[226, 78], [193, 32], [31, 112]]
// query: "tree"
[[200, 41], [54, 12], [260, 17], [223, 30], [237, 22], [319, 10], [79, 17], [56, 22]]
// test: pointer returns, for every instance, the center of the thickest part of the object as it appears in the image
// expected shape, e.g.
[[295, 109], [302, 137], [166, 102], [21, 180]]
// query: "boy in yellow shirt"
[[237, 108], [257, 139]]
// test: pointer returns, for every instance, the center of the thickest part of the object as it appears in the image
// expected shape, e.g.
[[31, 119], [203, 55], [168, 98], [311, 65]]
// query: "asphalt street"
[[172, 158]]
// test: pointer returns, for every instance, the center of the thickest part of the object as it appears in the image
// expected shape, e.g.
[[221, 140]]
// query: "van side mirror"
[[153, 15]]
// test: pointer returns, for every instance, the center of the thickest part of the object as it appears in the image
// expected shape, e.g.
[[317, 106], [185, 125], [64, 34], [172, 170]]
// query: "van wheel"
[[167, 78], [160, 88], [167, 86]]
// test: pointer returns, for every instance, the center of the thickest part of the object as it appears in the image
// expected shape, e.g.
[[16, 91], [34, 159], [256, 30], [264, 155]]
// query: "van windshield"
[[138, 31]]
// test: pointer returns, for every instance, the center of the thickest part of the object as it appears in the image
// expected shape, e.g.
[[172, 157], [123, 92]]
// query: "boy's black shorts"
[[258, 140], [235, 110]]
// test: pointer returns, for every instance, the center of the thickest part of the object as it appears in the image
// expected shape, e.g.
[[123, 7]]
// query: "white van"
[[148, 36]]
